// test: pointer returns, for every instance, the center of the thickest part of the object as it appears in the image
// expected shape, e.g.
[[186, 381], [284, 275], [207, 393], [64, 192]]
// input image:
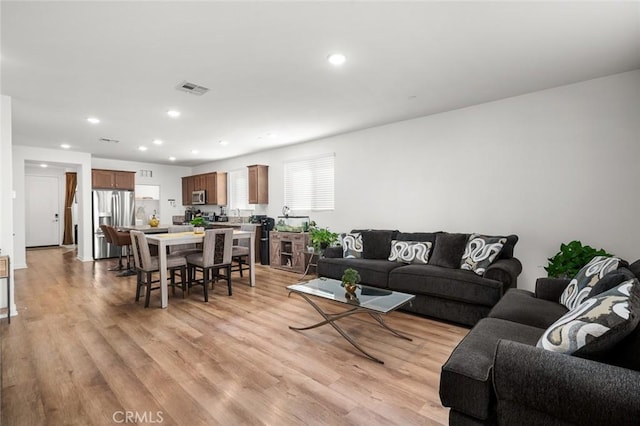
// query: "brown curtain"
[[70, 193]]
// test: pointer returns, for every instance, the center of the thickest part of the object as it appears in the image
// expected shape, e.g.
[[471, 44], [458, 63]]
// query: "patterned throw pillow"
[[597, 324], [582, 284], [480, 252], [352, 246], [410, 251]]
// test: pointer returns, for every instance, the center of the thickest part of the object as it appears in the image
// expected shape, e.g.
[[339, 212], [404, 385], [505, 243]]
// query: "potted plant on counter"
[[198, 223]]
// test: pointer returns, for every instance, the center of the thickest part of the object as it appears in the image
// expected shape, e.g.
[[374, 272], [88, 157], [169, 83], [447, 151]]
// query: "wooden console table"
[[5, 272]]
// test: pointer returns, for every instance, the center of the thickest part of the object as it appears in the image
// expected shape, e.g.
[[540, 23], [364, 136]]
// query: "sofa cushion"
[[509, 246], [465, 381], [464, 286], [597, 324], [410, 251], [523, 307], [372, 272], [635, 268], [480, 252], [376, 244], [625, 354], [417, 236], [582, 285], [352, 245], [448, 250]]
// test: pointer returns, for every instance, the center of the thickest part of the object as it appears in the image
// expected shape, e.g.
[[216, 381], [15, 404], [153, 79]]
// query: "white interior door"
[[42, 211]]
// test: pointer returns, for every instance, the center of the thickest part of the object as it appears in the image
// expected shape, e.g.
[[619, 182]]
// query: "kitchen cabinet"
[[113, 179], [187, 189], [258, 184], [214, 184], [287, 251]]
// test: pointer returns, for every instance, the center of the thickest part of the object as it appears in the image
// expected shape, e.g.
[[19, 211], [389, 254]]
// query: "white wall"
[[81, 161], [6, 198], [59, 174], [169, 178], [550, 166]]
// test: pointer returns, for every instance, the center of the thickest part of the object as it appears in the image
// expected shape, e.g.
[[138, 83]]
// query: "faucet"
[[237, 212]]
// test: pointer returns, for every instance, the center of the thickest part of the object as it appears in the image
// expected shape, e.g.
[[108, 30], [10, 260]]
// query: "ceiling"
[[265, 65]]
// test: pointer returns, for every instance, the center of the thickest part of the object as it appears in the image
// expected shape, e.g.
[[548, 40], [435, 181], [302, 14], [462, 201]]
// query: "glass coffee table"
[[367, 300]]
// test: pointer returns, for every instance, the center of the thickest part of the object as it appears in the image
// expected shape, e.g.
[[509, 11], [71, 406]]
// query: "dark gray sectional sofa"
[[446, 292], [497, 375]]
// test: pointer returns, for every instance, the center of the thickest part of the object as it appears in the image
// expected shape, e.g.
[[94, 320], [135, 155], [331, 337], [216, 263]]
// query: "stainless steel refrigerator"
[[110, 207]]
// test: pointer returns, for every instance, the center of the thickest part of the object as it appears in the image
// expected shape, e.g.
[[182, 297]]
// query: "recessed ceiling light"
[[157, 142], [142, 148], [65, 146], [93, 120], [224, 143], [194, 151], [172, 158], [336, 59], [43, 165], [173, 113]]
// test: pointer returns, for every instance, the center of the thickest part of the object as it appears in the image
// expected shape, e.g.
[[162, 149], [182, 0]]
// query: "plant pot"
[[198, 229], [350, 288]]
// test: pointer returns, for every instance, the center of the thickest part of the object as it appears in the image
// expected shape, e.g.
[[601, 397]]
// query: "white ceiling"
[[265, 63]]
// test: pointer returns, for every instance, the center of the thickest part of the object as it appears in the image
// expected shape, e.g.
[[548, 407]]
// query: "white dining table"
[[175, 238]]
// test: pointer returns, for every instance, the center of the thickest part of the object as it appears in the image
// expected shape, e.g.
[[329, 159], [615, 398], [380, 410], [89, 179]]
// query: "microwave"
[[198, 197]]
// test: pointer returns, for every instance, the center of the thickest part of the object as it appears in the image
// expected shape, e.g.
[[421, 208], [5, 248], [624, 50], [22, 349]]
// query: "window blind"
[[239, 189], [309, 183]]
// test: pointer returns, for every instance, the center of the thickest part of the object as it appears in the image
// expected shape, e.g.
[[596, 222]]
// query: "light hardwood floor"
[[81, 351]]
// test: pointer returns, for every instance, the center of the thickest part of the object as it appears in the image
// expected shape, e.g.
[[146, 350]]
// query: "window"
[[309, 183], [239, 189]]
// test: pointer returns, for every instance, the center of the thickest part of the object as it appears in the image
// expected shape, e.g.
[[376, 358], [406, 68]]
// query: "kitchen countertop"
[[222, 224]]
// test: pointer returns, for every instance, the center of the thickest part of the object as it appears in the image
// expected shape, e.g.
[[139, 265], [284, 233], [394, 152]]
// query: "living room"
[[550, 165]]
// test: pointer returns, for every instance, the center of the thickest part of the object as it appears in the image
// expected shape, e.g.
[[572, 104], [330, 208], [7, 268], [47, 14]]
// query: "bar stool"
[[122, 240], [107, 236]]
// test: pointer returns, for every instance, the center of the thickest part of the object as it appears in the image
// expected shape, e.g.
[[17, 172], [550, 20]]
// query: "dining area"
[[179, 258]]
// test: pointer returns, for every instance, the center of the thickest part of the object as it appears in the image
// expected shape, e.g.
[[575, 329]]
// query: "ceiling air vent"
[[192, 88], [107, 140]]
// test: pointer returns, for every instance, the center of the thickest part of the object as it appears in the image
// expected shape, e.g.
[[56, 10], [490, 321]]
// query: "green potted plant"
[[198, 223], [571, 258], [321, 238], [350, 280]]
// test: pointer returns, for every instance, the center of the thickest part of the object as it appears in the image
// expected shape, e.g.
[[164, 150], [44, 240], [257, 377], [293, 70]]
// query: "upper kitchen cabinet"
[[113, 179], [214, 184], [216, 187], [258, 184], [187, 189]]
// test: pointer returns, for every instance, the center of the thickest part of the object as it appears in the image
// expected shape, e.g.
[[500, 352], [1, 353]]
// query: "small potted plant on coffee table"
[[350, 280]]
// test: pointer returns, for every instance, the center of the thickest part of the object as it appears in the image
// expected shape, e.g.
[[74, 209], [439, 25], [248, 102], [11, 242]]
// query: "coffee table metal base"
[[331, 319]]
